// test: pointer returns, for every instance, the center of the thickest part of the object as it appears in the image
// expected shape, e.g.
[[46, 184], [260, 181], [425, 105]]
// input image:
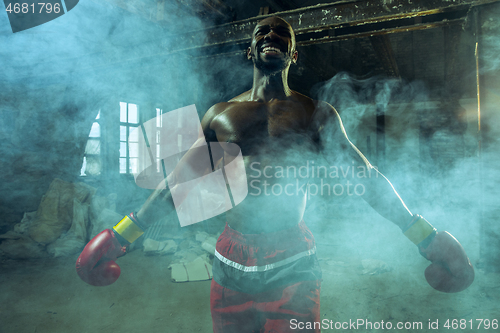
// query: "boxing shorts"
[[263, 281]]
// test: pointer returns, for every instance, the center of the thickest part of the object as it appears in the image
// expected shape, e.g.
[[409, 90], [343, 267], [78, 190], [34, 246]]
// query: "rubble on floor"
[[69, 215], [59, 226], [192, 253]]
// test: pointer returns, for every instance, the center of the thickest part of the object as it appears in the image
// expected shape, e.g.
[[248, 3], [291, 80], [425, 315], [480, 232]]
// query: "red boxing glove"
[[451, 270], [96, 264]]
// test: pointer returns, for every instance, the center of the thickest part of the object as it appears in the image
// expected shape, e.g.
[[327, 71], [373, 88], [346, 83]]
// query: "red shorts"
[[263, 282]]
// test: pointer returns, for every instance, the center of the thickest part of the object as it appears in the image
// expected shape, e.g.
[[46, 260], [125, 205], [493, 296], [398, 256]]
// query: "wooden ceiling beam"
[[361, 15], [316, 24]]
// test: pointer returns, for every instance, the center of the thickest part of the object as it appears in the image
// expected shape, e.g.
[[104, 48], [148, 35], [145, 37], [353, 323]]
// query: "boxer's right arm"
[[160, 202], [96, 264]]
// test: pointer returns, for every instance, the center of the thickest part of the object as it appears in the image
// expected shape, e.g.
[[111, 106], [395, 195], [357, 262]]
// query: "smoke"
[[491, 45], [426, 146], [57, 76], [106, 51], [443, 168], [356, 98]]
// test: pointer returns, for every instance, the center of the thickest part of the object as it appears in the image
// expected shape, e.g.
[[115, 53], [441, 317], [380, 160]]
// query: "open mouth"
[[271, 50]]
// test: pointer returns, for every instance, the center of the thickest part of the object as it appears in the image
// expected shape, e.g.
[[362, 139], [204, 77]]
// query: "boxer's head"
[[273, 45]]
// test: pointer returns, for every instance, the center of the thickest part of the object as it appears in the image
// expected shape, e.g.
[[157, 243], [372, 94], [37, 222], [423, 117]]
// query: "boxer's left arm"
[[451, 270], [338, 150]]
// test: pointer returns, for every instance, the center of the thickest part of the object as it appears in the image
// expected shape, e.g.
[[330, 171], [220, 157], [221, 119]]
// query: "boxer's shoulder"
[[244, 97], [324, 113], [207, 119], [213, 112]]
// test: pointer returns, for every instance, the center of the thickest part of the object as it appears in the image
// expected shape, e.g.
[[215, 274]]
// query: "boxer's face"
[[273, 45]]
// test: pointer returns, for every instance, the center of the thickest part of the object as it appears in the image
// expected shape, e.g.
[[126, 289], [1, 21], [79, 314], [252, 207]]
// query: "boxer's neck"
[[268, 87]]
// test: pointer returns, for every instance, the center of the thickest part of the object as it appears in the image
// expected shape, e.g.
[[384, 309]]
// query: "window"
[[92, 163], [161, 144], [159, 124], [129, 139]]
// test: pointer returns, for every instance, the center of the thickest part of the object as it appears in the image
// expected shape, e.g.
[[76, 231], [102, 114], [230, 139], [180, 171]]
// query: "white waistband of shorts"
[[265, 267]]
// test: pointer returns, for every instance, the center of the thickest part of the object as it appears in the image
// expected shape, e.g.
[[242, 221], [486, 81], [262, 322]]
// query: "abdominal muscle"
[[272, 204]]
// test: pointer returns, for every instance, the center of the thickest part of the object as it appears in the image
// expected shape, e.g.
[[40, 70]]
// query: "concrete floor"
[[46, 296]]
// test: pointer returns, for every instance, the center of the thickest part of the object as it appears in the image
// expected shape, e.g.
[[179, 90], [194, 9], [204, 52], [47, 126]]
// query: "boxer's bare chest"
[[255, 126]]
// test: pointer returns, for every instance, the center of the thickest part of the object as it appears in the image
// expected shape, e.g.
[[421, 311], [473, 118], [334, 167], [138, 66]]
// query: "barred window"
[[92, 159], [129, 144]]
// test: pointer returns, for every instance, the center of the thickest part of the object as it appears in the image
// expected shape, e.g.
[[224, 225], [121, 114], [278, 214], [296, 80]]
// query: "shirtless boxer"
[[265, 269]]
